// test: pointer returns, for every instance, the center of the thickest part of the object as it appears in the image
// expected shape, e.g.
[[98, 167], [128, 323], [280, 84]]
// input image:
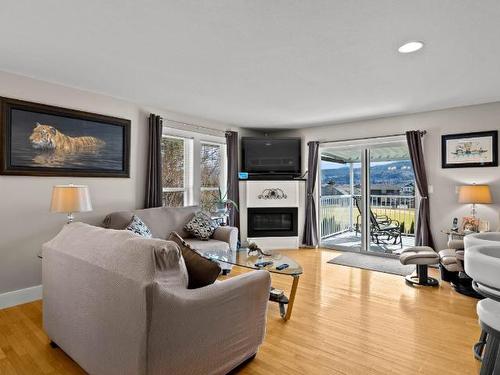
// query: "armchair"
[[118, 303], [451, 265]]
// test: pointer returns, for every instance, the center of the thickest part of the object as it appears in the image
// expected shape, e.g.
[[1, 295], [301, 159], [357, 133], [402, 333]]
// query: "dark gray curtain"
[[153, 179], [311, 225], [233, 188], [423, 235]]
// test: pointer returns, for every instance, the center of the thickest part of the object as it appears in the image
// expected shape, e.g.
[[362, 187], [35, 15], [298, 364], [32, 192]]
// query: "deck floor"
[[349, 241]]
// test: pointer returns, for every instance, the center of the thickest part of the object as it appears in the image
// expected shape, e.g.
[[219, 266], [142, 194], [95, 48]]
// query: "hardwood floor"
[[345, 321]]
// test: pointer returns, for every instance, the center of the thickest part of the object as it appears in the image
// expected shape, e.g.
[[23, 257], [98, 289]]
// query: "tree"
[[211, 168], [172, 150]]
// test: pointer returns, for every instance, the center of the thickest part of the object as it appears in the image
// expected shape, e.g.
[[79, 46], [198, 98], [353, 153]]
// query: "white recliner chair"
[[482, 264], [451, 265]]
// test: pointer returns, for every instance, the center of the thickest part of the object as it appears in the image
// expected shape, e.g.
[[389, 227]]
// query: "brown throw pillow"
[[201, 271]]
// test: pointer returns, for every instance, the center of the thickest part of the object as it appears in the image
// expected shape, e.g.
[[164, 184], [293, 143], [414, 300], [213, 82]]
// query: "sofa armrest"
[[227, 234], [456, 244], [221, 325]]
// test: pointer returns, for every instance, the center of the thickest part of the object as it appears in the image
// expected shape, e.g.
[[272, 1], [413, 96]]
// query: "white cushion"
[[202, 246], [482, 263], [488, 312], [419, 255]]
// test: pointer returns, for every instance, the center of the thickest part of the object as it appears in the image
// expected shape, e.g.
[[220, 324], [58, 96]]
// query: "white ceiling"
[[262, 63]]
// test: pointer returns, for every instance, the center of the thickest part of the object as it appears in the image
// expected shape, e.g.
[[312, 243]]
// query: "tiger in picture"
[[47, 137]]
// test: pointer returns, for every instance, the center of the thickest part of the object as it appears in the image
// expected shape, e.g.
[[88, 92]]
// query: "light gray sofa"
[[118, 303], [163, 220]]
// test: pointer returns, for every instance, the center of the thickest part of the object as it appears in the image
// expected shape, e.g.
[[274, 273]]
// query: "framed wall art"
[[42, 140], [479, 149]]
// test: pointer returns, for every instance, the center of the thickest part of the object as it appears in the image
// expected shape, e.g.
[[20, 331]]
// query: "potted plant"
[[222, 203]]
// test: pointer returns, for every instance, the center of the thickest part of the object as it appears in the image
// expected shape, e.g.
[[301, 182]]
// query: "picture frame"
[[43, 140], [470, 150]]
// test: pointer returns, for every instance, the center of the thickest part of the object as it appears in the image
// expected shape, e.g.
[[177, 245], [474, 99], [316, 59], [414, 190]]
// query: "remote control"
[[282, 267], [263, 264]]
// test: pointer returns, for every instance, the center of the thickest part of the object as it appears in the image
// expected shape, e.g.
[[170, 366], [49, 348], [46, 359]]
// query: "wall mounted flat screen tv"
[[271, 155]]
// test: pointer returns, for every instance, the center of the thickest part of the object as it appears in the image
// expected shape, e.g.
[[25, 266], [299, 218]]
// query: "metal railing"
[[338, 213]]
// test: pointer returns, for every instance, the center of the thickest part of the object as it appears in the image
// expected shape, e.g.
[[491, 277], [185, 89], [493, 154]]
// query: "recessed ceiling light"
[[410, 47]]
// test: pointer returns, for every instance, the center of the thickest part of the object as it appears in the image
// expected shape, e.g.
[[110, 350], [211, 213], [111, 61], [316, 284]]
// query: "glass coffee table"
[[241, 258]]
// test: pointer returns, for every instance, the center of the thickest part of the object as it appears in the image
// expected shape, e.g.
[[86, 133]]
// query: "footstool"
[[421, 257]]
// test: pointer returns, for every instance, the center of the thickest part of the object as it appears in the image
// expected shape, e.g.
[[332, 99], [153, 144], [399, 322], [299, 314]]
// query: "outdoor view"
[[211, 174], [392, 190], [173, 164], [175, 172]]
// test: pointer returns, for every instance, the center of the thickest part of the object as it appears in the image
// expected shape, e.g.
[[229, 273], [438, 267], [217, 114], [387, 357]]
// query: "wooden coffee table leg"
[[291, 300]]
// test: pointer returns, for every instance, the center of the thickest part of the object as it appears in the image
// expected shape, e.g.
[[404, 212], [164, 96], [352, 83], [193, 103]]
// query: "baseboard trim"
[[18, 297]]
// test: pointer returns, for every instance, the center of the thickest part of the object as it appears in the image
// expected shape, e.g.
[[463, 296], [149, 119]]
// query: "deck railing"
[[338, 213]]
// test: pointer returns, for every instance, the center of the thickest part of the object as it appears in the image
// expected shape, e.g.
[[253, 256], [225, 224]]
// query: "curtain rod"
[[193, 128], [422, 133]]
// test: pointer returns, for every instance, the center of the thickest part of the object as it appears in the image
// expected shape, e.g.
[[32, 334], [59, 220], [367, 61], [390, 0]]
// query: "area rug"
[[374, 263]]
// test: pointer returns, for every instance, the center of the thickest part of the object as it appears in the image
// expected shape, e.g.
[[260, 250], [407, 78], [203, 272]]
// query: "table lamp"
[[474, 194], [70, 199]]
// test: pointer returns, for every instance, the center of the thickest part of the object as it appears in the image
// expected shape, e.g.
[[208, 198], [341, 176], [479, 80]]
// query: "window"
[[176, 171], [213, 174], [193, 168]]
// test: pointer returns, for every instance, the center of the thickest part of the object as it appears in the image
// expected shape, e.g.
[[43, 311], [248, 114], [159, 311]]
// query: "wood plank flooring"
[[345, 321]]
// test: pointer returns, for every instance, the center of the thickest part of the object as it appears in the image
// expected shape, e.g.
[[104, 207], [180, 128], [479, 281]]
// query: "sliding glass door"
[[391, 186], [376, 175], [340, 194]]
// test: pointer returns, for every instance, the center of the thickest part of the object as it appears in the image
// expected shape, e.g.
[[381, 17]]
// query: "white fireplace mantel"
[[272, 193]]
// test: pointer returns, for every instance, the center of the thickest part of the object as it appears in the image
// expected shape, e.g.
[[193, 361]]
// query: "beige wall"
[[443, 201], [25, 221]]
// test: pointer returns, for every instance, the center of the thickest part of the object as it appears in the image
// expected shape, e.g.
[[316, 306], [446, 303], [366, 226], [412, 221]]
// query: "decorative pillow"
[[201, 226], [137, 226], [201, 271]]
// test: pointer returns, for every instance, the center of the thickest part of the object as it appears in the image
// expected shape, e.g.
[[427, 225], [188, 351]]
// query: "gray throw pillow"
[[201, 226], [137, 226], [201, 271]]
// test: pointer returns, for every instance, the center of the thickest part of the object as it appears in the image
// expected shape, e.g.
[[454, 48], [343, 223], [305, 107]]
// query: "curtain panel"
[[153, 167], [233, 189], [311, 224], [423, 235]]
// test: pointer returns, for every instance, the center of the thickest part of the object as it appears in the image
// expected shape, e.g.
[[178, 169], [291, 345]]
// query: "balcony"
[[340, 221]]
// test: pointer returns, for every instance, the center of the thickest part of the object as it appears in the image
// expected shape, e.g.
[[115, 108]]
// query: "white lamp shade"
[[70, 198]]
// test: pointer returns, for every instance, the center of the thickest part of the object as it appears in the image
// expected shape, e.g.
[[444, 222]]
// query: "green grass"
[[338, 217]]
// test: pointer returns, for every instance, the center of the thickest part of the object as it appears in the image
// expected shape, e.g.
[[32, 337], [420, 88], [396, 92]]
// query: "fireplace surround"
[[272, 213]]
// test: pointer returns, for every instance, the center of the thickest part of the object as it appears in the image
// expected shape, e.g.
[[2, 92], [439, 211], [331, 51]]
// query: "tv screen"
[[271, 155]]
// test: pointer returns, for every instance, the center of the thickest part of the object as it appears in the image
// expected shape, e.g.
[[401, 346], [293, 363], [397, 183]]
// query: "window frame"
[[192, 167]]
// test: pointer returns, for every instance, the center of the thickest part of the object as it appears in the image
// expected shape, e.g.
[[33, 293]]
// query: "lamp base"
[[473, 211]]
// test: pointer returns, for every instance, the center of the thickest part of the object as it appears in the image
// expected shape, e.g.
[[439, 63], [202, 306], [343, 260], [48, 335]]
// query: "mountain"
[[397, 173]]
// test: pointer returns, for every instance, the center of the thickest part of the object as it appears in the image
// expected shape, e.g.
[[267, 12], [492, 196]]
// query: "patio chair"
[[382, 227]]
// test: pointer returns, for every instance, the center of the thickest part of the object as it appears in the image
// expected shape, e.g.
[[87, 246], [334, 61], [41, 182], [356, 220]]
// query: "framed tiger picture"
[[42, 140]]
